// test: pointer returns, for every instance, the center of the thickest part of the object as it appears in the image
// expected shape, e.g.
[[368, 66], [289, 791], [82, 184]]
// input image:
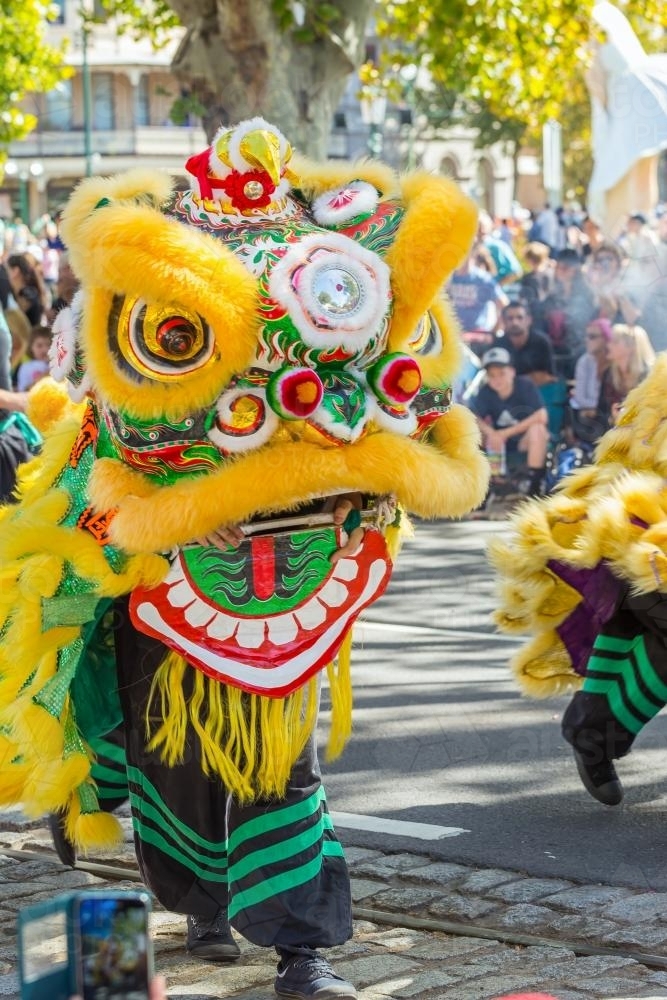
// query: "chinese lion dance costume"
[[584, 571], [240, 353]]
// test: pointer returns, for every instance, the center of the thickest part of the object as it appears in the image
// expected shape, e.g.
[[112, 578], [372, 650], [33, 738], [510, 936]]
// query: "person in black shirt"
[[530, 351], [512, 417]]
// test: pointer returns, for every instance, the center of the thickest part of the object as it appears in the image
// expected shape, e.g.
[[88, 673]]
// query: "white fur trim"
[[77, 393], [235, 157], [343, 432], [405, 425], [292, 280], [335, 207], [232, 443], [62, 350]]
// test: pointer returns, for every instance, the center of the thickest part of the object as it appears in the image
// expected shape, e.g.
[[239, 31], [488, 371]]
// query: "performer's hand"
[[344, 504], [225, 537]]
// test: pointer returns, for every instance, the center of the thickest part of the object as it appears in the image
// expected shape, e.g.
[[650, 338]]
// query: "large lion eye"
[[162, 342]]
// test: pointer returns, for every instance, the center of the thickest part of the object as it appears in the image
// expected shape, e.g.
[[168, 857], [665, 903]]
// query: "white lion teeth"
[[345, 569], [199, 614], [311, 615], [333, 593], [250, 633], [181, 595], [282, 629], [222, 627]]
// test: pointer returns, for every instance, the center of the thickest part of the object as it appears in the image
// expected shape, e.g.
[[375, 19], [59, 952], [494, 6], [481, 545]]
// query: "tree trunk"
[[237, 63]]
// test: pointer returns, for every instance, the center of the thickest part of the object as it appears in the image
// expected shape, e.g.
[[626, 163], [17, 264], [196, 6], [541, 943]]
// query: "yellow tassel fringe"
[[250, 741]]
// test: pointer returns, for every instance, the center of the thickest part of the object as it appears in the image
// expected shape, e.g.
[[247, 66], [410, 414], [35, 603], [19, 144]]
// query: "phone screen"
[[114, 943]]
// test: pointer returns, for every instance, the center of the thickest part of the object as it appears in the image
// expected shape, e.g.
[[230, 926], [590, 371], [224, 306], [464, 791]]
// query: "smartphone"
[[94, 942], [112, 945]]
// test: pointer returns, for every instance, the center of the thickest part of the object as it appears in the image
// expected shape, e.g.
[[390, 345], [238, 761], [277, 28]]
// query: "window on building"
[[102, 101], [58, 9], [57, 108], [100, 13], [142, 104]]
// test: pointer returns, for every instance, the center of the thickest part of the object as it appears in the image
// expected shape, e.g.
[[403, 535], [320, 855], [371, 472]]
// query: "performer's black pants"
[[625, 683], [276, 865]]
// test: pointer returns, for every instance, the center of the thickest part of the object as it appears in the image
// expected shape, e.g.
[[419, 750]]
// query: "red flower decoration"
[[234, 187]]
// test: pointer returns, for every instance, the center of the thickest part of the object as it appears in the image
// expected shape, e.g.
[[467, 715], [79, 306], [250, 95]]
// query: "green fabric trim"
[[151, 836], [87, 799], [332, 849], [95, 685], [110, 793], [105, 748], [150, 812], [267, 855], [106, 775], [134, 775], [648, 671], [53, 695], [68, 609], [613, 695], [611, 644], [274, 886], [275, 819], [634, 692]]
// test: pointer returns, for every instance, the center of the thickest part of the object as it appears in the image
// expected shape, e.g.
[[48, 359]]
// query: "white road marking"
[[458, 633], [395, 827]]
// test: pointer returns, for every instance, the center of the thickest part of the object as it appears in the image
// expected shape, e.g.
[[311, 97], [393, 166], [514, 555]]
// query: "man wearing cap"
[[512, 417]]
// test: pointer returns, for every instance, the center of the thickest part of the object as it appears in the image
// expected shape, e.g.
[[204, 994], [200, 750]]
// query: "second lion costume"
[[585, 571]]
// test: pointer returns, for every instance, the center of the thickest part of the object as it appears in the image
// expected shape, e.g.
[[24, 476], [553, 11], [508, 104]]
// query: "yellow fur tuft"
[[165, 255], [48, 403], [543, 667], [442, 481], [315, 178], [48, 787], [98, 830], [434, 237]]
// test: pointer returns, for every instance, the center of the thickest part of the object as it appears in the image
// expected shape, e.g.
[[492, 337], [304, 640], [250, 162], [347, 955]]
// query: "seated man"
[[513, 418], [529, 350]]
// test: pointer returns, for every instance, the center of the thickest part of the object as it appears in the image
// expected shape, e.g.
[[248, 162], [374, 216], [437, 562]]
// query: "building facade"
[[113, 113]]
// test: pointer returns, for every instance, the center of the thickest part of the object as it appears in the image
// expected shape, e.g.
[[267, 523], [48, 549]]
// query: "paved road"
[[443, 737]]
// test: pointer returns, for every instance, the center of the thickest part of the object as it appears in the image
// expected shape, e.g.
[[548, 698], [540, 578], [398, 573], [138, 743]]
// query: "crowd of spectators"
[[36, 282], [562, 309], [553, 304]]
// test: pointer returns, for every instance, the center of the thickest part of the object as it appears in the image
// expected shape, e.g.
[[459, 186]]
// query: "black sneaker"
[[600, 779], [211, 939], [304, 976], [65, 849]]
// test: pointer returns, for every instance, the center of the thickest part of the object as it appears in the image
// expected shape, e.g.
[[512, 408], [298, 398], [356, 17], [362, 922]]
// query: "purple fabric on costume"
[[601, 593]]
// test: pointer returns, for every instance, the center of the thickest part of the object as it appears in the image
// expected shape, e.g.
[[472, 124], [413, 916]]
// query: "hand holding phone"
[[157, 990]]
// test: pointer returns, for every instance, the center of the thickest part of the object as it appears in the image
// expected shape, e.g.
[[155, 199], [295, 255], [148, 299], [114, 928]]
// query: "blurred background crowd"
[[558, 321], [575, 314]]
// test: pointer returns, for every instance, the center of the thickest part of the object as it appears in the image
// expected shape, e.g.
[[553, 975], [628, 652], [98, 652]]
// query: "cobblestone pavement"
[[425, 929]]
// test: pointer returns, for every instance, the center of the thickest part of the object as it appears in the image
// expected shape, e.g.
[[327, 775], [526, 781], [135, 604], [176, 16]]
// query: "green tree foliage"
[[522, 61], [513, 64], [27, 64]]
